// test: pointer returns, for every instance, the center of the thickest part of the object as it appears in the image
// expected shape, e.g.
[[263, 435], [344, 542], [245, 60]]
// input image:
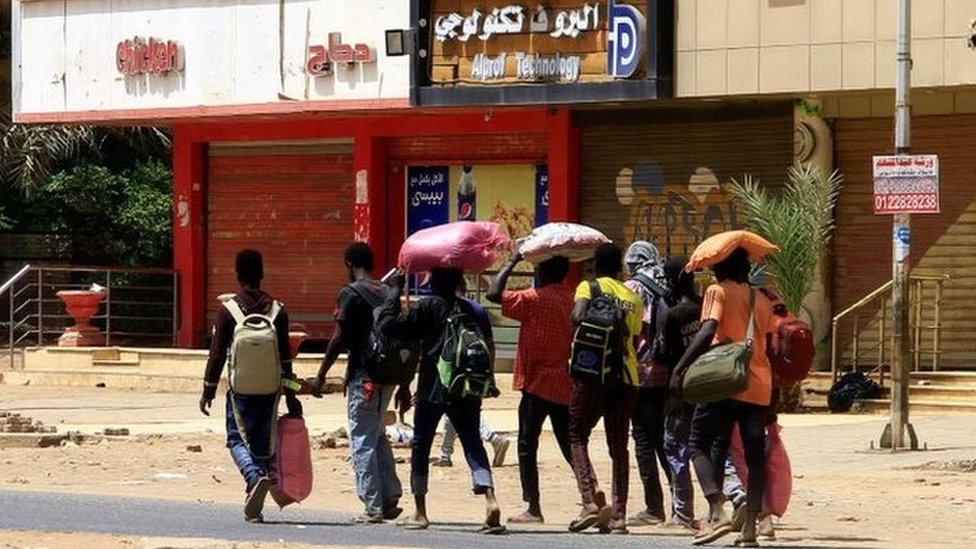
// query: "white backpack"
[[253, 364]]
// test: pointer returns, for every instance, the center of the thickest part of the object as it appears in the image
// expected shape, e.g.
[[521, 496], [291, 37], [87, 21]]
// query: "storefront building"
[[838, 58], [293, 133]]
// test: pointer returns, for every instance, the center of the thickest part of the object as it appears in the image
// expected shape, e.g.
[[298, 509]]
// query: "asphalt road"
[[51, 512]]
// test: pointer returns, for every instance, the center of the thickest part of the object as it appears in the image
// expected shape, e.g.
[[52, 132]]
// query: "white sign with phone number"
[[906, 184]]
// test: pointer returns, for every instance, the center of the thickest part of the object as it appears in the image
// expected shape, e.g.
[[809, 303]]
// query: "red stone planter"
[[82, 306], [295, 339]]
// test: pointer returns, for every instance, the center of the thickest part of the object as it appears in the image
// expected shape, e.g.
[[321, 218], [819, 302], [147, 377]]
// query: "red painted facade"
[[380, 145]]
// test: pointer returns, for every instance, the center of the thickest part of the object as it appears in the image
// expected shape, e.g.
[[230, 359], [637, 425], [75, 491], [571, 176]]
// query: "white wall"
[[68, 48], [730, 47]]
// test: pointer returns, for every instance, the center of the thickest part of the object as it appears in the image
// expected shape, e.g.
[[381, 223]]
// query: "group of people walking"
[[664, 326]]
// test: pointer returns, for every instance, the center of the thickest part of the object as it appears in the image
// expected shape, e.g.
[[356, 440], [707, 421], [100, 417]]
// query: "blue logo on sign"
[[625, 41], [587, 359]]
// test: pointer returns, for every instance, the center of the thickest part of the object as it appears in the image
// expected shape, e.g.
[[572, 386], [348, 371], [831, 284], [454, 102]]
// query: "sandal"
[[496, 530], [740, 542], [367, 518], [710, 533], [411, 524]]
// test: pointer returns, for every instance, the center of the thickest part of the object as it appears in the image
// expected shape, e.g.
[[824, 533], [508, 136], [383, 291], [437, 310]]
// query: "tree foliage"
[[118, 218], [799, 219]]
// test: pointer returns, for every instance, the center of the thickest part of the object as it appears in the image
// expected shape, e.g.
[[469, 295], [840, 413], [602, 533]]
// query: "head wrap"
[[644, 260]]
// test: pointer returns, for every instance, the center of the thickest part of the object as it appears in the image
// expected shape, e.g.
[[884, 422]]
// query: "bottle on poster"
[[467, 195]]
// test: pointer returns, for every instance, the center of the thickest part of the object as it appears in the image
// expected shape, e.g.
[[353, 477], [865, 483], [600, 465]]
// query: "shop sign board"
[[906, 184], [531, 42], [138, 56], [321, 59]]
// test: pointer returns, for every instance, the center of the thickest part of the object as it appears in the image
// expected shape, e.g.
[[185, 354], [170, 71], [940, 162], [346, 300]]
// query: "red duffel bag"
[[467, 245]]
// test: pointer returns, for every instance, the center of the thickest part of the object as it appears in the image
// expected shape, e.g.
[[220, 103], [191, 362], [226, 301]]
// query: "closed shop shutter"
[[660, 174], [470, 148], [940, 243], [294, 203]]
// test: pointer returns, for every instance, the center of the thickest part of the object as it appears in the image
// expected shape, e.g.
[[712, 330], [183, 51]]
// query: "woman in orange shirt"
[[726, 312]]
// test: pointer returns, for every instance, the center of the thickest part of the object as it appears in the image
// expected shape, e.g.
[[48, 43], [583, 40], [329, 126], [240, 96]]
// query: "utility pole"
[[901, 239]]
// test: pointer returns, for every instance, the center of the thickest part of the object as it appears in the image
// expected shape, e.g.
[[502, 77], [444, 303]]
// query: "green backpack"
[[723, 371], [465, 368]]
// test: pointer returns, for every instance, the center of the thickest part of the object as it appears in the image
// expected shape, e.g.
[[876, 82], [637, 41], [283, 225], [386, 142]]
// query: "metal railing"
[[917, 303], [140, 305]]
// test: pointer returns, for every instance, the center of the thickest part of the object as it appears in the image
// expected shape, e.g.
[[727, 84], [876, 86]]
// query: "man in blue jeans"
[[372, 458], [425, 322], [251, 435]]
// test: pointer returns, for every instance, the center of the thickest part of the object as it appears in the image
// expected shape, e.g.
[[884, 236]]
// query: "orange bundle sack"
[[716, 248]]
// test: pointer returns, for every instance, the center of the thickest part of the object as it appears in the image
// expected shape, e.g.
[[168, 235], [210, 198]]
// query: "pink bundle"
[[576, 242], [779, 474], [293, 462], [467, 245]]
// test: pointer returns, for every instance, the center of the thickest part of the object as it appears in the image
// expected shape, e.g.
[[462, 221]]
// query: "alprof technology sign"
[[532, 42], [906, 184]]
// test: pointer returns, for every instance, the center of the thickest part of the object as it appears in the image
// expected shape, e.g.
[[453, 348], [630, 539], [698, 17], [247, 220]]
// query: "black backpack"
[[598, 346], [388, 361], [465, 368], [850, 387]]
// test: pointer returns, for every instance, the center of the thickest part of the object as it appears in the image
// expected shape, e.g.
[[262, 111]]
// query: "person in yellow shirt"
[[613, 401]]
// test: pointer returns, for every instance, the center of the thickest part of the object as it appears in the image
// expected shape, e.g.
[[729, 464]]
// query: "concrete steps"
[[928, 392], [157, 370]]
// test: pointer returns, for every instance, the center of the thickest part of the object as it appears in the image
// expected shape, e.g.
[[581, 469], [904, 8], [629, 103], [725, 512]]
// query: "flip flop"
[[585, 522], [713, 533], [496, 530], [739, 516], [526, 518], [739, 542], [409, 524]]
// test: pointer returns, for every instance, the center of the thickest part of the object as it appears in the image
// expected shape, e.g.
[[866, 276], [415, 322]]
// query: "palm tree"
[[799, 219]]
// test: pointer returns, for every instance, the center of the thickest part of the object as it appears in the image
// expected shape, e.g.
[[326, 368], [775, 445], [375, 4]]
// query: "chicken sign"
[[321, 59]]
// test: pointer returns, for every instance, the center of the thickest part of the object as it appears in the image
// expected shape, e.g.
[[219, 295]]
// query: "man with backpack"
[[648, 281], [603, 364], [540, 366], [368, 393], [251, 339], [455, 374]]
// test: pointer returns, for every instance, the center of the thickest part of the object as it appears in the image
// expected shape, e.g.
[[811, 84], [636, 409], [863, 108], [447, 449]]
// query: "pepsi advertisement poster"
[[428, 197]]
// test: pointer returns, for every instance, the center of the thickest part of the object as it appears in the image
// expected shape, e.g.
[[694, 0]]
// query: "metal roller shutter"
[[293, 201], [470, 148], [659, 174], [940, 243]]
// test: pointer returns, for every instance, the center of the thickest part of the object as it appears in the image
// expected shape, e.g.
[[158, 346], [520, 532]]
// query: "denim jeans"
[[488, 434], [648, 425], [732, 485], [465, 415], [711, 433], [377, 484], [257, 415], [677, 429]]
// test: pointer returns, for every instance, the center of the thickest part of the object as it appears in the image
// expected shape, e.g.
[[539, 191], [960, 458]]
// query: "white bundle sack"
[[572, 240]]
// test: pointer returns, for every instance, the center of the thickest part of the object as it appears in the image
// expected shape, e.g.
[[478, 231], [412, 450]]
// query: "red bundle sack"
[[466, 245], [779, 473], [790, 347], [293, 462]]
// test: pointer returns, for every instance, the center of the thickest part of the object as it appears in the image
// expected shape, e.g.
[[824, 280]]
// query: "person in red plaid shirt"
[[541, 366]]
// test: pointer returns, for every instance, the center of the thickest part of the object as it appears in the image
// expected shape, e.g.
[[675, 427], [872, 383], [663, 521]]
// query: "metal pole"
[[40, 307], [108, 308], [901, 234]]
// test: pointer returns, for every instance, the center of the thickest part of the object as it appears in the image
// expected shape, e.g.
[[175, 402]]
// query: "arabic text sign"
[[906, 184]]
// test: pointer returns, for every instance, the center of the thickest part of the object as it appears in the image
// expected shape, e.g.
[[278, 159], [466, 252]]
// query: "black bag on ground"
[[598, 344], [850, 387], [388, 361]]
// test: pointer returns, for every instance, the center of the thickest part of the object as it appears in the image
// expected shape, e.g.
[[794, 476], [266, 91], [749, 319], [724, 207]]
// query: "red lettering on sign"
[[153, 56], [321, 59]]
